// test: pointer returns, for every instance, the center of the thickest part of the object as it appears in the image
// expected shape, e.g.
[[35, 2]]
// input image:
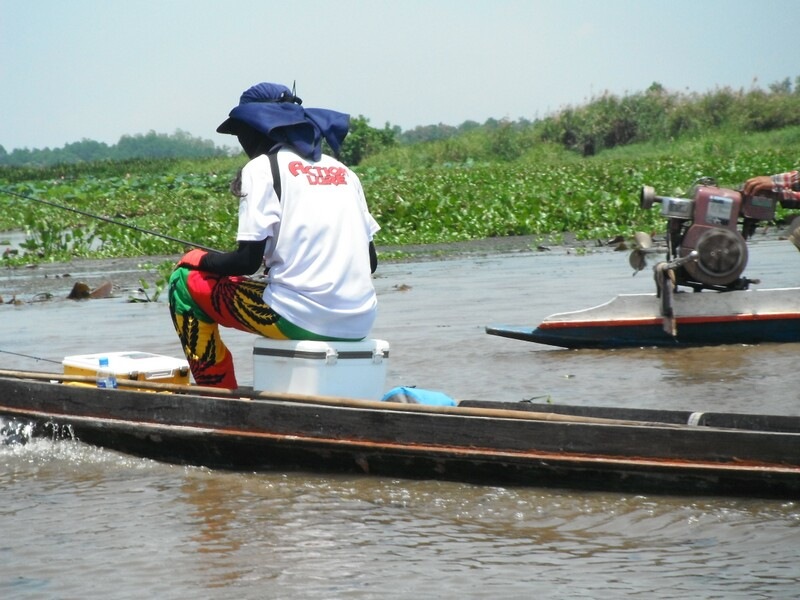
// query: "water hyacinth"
[[542, 193]]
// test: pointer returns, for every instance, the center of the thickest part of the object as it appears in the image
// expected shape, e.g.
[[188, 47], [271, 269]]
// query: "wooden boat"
[[698, 318], [663, 451]]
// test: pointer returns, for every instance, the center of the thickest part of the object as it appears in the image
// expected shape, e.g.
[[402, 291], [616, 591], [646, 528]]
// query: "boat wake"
[[54, 442], [15, 433]]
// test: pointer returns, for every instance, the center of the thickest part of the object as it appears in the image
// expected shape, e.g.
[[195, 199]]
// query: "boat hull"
[[635, 320], [478, 442]]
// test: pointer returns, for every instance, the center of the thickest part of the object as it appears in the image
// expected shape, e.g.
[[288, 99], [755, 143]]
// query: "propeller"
[[643, 245]]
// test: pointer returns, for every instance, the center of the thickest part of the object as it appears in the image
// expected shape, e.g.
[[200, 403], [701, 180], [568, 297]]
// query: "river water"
[[81, 522]]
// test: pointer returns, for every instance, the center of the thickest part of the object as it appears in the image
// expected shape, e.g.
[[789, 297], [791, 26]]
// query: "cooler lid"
[[152, 365], [319, 350]]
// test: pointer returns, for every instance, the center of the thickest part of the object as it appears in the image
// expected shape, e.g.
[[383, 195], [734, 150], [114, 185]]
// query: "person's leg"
[[236, 302], [200, 302], [209, 359]]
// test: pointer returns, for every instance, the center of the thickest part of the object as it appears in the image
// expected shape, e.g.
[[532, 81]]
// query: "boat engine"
[[707, 233]]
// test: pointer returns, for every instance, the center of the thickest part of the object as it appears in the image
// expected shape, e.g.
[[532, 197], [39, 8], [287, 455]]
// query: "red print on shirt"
[[319, 175]]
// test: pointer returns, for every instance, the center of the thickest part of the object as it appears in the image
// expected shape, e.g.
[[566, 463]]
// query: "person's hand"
[[192, 259], [757, 185]]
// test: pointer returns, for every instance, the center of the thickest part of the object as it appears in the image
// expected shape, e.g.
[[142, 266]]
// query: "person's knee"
[[180, 300]]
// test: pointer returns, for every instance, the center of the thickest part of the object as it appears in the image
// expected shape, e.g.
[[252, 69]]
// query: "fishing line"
[[58, 362], [108, 220]]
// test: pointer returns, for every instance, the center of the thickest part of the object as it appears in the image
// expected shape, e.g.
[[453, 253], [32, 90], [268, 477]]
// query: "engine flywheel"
[[722, 257]]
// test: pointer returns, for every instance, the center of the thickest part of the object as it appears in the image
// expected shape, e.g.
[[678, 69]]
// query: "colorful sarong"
[[200, 302]]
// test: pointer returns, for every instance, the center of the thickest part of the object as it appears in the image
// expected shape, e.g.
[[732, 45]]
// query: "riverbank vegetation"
[[578, 171]]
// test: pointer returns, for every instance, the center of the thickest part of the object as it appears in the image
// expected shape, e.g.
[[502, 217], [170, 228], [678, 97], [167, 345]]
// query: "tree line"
[[150, 145], [654, 116], [658, 115], [604, 122]]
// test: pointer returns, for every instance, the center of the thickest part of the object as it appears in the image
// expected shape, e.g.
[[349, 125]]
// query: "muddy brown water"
[[78, 521]]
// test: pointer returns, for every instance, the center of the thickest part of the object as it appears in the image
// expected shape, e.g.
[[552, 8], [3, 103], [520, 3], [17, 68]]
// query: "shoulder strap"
[[276, 173]]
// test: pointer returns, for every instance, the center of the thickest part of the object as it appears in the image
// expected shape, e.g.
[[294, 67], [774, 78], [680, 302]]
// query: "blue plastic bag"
[[414, 395]]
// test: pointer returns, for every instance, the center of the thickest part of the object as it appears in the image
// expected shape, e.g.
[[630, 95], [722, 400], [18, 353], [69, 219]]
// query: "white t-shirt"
[[318, 235]]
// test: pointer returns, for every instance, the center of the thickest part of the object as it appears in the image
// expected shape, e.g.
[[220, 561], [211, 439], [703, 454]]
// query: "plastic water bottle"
[[105, 376]]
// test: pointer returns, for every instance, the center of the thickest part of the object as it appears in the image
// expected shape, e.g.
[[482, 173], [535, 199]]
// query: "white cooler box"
[[344, 369], [139, 366]]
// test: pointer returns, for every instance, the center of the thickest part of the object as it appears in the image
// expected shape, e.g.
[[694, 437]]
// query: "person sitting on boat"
[[304, 216], [785, 185]]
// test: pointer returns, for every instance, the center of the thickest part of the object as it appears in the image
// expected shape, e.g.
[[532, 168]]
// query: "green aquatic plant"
[[546, 192]]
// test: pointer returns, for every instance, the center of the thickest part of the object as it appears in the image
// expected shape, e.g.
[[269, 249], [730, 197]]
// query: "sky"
[[100, 69]]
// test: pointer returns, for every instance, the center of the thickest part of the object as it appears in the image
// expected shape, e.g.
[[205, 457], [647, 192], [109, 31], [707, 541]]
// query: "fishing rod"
[[108, 220], [37, 358]]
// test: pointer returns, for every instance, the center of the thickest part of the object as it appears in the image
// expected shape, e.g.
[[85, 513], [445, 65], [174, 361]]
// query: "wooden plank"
[[755, 422], [328, 400]]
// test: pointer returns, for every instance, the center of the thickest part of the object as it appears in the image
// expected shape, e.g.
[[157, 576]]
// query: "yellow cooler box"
[[137, 366], [345, 369]]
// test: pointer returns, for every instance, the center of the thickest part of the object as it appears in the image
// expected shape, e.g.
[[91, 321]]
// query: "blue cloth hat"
[[276, 112]]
